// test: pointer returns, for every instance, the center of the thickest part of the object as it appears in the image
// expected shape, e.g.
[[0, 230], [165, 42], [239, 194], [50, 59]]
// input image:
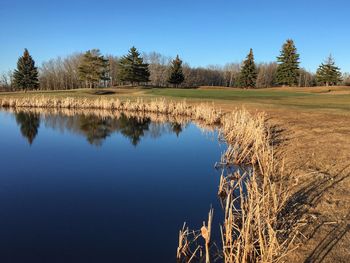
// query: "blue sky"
[[202, 32]]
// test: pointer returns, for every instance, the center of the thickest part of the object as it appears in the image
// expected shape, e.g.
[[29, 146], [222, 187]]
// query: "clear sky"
[[202, 32]]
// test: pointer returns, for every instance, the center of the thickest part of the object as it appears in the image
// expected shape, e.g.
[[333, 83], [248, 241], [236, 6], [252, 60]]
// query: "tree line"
[[92, 69]]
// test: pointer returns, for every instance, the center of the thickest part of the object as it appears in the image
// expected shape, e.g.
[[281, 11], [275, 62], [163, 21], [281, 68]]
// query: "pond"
[[92, 188]]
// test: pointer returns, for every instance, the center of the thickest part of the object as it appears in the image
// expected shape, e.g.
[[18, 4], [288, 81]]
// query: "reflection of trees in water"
[[29, 124], [94, 128], [97, 129], [176, 128], [157, 129], [133, 127]]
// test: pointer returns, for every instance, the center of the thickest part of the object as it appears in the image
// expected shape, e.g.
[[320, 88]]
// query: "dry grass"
[[206, 234], [252, 225], [203, 112]]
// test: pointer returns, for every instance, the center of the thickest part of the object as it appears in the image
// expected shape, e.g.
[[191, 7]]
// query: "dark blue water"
[[86, 189]]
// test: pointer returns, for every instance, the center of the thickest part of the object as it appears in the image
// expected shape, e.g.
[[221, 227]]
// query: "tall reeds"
[[203, 112], [252, 225]]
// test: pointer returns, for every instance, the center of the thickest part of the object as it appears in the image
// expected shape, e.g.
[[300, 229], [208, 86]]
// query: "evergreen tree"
[[93, 68], [248, 72], [132, 68], [176, 75], [328, 73], [288, 67], [26, 75]]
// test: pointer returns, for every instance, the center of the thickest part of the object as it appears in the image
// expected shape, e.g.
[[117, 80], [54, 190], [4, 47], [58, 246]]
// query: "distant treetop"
[[132, 68], [26, 75], [249, 72], [328, 73], [176, 74], [288, 65]]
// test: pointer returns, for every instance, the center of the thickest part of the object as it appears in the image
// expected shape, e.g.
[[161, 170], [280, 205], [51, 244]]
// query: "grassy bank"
[[319, 98], [303, 98]]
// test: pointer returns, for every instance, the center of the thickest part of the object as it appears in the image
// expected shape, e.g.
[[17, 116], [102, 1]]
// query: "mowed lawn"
[[312, 98], [337, 98]]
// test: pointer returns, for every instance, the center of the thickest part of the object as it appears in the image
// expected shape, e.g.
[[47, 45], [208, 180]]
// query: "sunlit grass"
[[333, 98]]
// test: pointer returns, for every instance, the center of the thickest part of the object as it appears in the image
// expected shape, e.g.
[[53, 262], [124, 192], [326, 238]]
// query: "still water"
[[81, 188]]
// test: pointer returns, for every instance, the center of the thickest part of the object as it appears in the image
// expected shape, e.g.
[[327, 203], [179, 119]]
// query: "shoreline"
[[249, 142]]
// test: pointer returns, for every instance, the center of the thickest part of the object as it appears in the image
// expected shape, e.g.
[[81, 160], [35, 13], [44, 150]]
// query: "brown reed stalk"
[[206, 234]]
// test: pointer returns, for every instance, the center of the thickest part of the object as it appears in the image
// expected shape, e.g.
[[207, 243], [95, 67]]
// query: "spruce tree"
[[132, 68], [248, 73], [288, 67], [26, 75], [93, 68], [176, 76], [328, 73]]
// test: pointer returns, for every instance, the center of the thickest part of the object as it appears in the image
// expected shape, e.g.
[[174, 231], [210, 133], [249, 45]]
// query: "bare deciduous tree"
[[266, 75], [158, 67], [60, 73], [6, 80]]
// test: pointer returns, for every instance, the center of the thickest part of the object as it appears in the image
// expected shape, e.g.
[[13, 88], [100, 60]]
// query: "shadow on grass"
[[297, 210], [103, 92], [329, 241]]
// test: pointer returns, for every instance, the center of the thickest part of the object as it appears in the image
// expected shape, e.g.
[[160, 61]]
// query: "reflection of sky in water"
[[65, 201]]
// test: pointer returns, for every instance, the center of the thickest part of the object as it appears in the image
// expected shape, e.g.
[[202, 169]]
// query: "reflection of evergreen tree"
[[177, 128], [133, 128], [96, 129], [29, 124]]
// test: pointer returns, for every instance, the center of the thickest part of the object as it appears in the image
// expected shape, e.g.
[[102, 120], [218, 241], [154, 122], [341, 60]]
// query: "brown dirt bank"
[[316, 145]]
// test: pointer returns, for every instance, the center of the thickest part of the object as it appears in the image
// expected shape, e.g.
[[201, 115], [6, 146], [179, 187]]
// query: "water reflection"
[[177, 128], [29, 124], [133, 127], [97, 129], [64, 201]]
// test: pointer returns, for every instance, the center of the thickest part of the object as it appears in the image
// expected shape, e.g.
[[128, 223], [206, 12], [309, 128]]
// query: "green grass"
[[288, 98], [234, 94], [307, 98]]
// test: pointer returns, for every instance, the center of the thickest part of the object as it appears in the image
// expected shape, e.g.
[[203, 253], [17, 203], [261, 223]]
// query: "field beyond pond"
[[313, 126], [332, 98]]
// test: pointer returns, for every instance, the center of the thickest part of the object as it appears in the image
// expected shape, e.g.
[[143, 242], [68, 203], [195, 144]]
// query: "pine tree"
[[328, 73], [176, 76], [93, 68], [132, 68], [288, 67], [26, 75], [248, 73]]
